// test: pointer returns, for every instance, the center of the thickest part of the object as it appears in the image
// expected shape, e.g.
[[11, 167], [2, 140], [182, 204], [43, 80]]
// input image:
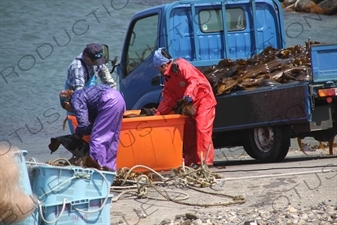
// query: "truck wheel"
[[268, 144], [247, 147]]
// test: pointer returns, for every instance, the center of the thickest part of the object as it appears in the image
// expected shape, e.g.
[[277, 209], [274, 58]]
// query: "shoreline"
[[322, 7]]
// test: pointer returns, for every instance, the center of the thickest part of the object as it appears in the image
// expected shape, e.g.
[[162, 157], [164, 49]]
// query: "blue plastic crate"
[[53, 184], [79, 212], [33, 218]]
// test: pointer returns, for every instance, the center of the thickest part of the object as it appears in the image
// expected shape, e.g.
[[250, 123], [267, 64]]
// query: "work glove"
[[188, 99], [184, 106], [106, 77]]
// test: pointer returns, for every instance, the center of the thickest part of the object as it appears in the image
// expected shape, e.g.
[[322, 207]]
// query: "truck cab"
[[202, 32]]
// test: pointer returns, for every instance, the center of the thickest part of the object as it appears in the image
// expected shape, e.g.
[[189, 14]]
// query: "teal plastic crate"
[[80, 212], [53, 184], [33, 218]]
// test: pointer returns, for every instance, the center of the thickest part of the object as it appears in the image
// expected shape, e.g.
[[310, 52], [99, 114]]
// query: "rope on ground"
[[183, 177], [235, 199]]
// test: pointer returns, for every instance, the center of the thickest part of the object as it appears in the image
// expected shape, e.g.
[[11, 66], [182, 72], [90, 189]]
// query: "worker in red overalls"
[[184, 81]]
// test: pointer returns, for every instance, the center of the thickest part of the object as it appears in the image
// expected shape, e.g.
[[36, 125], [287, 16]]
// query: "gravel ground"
[[321, 214], [302, 190]]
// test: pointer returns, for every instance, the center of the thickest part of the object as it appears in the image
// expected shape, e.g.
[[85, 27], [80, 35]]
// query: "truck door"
[[136, 63]]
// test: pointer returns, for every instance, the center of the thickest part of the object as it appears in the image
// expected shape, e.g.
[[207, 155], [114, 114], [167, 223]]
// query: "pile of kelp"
[[270, 67]]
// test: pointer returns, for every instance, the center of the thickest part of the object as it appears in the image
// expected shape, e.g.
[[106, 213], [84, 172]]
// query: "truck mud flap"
[[321, 120]]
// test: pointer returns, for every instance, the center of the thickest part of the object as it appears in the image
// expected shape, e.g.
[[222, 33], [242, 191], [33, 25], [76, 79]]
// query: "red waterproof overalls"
[[188, 80]]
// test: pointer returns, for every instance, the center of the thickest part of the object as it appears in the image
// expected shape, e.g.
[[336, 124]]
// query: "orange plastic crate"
[[152, 141]]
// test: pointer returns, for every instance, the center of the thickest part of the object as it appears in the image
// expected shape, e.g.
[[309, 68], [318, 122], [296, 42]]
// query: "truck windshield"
[[142, 41], [211, 20]]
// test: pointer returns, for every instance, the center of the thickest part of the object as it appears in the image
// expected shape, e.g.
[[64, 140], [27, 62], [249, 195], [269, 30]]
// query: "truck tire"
[[247, 147], [268, 144]]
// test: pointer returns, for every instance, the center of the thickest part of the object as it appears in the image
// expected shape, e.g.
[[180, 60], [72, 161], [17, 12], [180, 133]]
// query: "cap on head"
[[159, 59], [65, 96], [95, 53]]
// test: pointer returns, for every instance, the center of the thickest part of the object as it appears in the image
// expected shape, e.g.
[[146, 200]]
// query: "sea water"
[[39, 39]]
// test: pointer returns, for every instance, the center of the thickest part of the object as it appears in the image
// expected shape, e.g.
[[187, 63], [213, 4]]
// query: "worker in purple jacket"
[[99, 112]]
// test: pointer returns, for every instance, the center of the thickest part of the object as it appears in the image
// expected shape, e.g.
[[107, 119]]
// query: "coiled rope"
[[139, 184]]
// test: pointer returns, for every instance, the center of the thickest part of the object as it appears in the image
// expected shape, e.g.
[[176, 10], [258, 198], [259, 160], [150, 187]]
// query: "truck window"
[[211, 20], [142, 41]]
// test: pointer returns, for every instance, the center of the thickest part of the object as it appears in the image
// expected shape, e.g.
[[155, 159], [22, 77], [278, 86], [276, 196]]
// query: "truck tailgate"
[[267, 106], [324, 62]]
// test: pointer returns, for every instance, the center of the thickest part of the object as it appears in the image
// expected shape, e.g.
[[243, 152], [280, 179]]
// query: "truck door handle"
[[155, 81]]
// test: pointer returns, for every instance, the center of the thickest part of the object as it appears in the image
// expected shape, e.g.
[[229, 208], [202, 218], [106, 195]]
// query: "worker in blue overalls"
[[85, 68]]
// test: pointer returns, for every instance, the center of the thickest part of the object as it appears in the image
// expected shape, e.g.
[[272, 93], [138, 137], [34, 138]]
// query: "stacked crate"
[[71, 194], [33, 218]]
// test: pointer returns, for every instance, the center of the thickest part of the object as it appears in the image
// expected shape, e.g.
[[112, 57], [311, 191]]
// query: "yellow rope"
[[194, 179]]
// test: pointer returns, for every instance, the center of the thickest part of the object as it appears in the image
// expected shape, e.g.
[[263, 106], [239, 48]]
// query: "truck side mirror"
[[106, 52], [106, 56]]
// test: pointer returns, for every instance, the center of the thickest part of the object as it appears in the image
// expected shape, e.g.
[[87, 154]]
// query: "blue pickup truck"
[[262, 120]]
